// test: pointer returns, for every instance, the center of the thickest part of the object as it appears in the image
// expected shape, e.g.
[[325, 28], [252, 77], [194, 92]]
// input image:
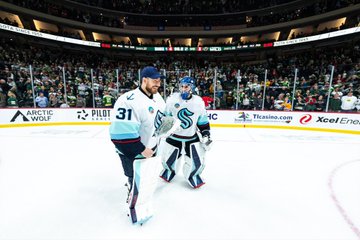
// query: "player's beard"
[[151, 89]]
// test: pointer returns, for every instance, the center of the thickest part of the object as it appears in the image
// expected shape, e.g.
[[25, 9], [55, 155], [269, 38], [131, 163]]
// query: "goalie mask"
[[187, 87]]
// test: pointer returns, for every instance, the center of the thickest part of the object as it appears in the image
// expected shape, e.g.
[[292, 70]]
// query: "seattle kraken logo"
[[157, 121], [184, 116]]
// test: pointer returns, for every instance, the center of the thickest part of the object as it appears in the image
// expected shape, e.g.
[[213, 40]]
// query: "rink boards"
[[313, 121]]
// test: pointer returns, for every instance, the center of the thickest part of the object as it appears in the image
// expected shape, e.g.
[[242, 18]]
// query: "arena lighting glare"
[[318, 37], [47, 36]]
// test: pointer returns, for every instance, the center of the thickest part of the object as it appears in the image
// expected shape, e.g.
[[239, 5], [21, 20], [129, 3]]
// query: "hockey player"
[[135, 117], [191, 140]]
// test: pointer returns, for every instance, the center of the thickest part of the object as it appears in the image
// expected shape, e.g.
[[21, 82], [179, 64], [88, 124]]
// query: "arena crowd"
[[114, 74]]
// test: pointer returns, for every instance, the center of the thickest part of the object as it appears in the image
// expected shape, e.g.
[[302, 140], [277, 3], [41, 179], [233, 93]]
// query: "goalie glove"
[[168, 126], [205, 140]]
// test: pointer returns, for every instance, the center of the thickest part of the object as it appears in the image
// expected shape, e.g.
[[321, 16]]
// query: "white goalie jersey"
[[134, 120], [191, 113]]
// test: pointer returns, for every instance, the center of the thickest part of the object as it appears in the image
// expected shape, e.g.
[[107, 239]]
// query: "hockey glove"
[[168, 126], [205, 140]]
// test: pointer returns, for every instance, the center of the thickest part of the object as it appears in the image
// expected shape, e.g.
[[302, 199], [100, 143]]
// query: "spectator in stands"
[[98, 100], [272, 92], [89, 98], [357, 104], [41, 100], [286, 105], [337, 91], [335, 103], [64, 105], [4, 89], [246, 103], [278, 103], [71, 99], [53, 101], [59, 97], [12, 101], [348, 102], [207, 100], [219, 89], [230, 100], [304, 84], [268, 103], [44, 91], [320, 104], [51, 92], [310, 101], [28, 98], [80, 101], [258, 99], [217, 103], [107, 100], [299, 103]]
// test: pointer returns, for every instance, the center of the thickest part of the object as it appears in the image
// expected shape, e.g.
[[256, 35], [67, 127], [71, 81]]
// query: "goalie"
[[191, 140], [135, 117]]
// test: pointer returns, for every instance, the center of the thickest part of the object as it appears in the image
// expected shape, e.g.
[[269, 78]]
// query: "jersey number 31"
[[124, 113]]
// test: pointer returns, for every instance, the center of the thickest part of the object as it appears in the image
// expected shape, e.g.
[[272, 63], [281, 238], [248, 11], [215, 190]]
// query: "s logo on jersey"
[[157, 121], [184, 116]]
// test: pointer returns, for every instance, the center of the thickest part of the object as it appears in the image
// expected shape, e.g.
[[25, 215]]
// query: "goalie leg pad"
[[144, 185], [194, 165], [168, 173], [169, 157]]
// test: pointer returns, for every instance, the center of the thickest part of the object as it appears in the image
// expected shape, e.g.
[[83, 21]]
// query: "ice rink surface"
[[66, 182]]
